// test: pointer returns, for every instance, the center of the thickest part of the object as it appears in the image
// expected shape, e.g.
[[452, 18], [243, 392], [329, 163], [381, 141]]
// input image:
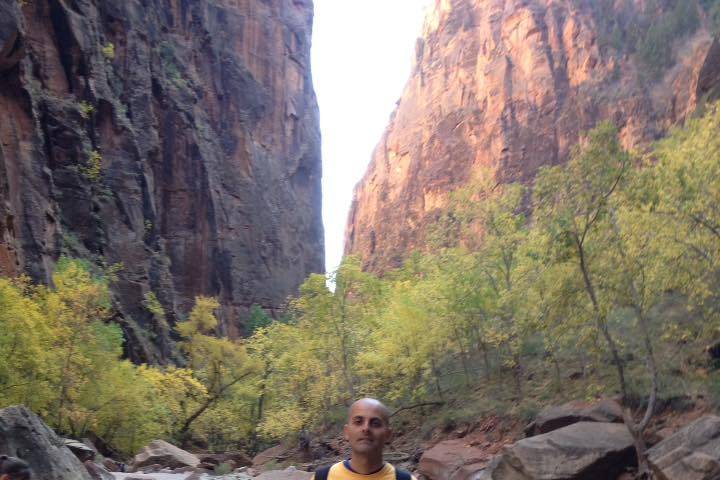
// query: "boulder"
[[98, 472], [79, 449], [110, 465], [581, 451], [24, 435], [453, 460], [553, 418], [240, 459], [160, 452], [693, 453], [290, 473], [271, 454]]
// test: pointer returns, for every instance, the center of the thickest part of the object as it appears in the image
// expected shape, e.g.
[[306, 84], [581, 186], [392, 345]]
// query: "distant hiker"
[[367, 431], [12, 468]]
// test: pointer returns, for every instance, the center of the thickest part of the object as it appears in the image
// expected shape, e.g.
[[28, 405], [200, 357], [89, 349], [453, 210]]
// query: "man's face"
[[367, 429]]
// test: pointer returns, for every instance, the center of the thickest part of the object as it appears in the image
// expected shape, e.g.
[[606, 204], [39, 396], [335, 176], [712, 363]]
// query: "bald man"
[[367, 431]]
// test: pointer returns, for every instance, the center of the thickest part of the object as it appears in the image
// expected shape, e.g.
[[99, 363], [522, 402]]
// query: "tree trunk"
[[600, 319]]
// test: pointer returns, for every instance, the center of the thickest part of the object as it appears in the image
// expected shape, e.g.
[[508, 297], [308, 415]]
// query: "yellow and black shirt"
[[342, 471]]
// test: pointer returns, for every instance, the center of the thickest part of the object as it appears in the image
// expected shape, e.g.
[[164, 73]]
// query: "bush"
[[654, 49]]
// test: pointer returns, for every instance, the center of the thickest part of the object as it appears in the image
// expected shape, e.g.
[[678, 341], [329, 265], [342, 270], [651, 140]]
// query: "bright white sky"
[[361, 58]]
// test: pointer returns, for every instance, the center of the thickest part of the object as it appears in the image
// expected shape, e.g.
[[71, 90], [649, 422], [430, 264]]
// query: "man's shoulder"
[[339, 469], [328, 468]]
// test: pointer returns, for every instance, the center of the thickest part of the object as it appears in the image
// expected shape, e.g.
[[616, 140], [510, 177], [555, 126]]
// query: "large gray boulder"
[[167, 455], [693, 453], [582, 451], [553, 418], [23, 434]]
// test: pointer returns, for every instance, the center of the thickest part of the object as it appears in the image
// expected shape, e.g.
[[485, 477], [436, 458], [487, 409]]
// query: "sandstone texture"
[[177, 139], [24, 435], [582, 451], [693, 453], [553, 418], [453, 460], [503, 87]]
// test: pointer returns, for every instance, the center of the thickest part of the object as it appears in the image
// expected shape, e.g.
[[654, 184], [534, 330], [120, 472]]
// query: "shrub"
[[93, 168], [108, 51]]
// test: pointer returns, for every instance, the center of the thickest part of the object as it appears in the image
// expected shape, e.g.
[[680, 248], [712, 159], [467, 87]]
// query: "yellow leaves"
[[93, 166], [202, 318], [108, 51]]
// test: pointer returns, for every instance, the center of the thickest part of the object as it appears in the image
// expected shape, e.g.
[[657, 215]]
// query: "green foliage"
[[108, 51], [654, 48], [86, 109], [61, 358], [172, 65], [93, 167], [616, 268], [712, 10], [258, 319]]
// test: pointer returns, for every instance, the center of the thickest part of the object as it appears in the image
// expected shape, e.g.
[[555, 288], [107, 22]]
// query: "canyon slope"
[[175, 141], [504, 87]]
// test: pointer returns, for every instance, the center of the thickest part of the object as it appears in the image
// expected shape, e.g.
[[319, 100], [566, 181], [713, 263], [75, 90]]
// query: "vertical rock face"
[[503, 87], [178, 138]]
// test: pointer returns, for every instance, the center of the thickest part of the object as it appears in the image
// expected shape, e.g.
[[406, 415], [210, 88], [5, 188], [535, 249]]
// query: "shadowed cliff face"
[[507, 86], [179, 138]]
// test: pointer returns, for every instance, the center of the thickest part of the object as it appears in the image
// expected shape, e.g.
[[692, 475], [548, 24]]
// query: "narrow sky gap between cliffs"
[[361, 58]]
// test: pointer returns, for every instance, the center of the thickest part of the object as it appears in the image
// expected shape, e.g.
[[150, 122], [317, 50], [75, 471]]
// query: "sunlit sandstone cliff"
[[507, 86], [177, 138]]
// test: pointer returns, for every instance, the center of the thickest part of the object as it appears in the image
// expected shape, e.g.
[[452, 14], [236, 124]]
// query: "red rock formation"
[[202, 119], [507, 86]]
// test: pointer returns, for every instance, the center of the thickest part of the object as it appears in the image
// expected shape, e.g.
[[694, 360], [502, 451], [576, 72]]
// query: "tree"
[[571, 205], [217, 363]]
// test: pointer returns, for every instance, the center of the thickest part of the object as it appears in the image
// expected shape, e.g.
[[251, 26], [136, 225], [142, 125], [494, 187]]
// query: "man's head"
[[368, 427], [12, 468]]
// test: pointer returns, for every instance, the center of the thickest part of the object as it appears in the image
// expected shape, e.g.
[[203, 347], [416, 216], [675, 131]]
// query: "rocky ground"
[[574, 441]]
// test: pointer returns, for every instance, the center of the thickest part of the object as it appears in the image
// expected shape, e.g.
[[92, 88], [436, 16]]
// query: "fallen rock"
[[271, 454], [582, 451], [453, 460], [79, 449], [111, 465], [98, 472], [553, 418], [290, 473], [23, 434], [693, 453], [164, 454]]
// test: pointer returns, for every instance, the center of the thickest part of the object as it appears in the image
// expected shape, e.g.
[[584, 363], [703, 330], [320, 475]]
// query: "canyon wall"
[[503, 87], [176, 140]]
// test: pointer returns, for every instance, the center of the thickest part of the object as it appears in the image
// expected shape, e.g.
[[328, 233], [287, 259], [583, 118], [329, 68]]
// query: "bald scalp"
[[377, 405]]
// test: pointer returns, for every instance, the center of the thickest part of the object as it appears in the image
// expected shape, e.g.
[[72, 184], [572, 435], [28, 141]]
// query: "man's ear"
[[345, 435], [388, 438], [4, 476]]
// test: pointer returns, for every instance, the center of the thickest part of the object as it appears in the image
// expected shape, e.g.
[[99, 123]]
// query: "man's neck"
[[366, 465]]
